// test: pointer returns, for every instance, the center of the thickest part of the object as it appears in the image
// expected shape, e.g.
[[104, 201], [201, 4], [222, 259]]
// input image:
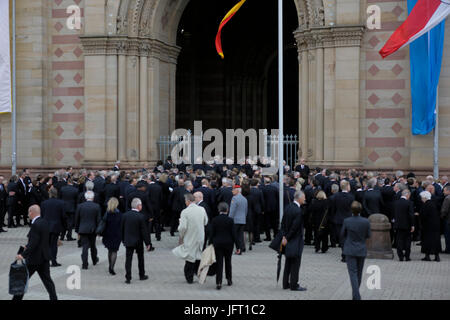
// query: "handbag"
[[102, 225], [18, 278]]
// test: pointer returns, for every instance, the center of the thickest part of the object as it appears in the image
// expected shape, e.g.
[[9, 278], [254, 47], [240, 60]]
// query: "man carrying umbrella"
[[292, 231]]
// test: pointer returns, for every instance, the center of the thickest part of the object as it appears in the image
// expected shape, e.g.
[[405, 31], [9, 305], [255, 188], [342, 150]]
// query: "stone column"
[[172, 96], [111, 109], [122, 113], [143, 108], [132, 107], [304, 87], [153, 107], [319, 105]]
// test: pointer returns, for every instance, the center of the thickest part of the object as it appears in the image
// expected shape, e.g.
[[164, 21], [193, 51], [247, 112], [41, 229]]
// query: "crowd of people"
[[135, 206]]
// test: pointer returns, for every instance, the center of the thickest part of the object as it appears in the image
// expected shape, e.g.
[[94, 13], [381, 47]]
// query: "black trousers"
[[255, 227], [333, 236], [291, 271], [2, 213], [175, 221], [337, 230], [53, 239], [11, 213], [321, 240], [70, 222], [272, 222], [156, 225], [355, 266], [308, 228], [129, 259], [88, 242], [239, 229], [190, 269], [43, 271], [403, 239], [221, 255]]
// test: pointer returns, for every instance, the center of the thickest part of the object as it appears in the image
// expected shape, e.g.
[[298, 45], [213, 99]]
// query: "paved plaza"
[[254, 276]]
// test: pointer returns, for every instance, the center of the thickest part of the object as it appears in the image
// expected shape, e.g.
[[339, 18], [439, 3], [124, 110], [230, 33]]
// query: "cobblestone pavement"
[[254, 276]]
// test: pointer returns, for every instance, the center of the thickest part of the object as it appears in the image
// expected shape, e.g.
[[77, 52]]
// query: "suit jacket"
[[224, 195], [271, 196], [87, 217], [292, 229], [99, 188], [37, 249], [403, 214], [239, 209], [341, 207], [147, 209], [304, 173], [134, 229], [205, 206], [111, 190], [445, 209], [52, 211], [155, 197], [3, 195], [222, 232], [69, 194], [373, 202], [208, 196], [388, 194], [256, 201], [355, 231], [176, 199]]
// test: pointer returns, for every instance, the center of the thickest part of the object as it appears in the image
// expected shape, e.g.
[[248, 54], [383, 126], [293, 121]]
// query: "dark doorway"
[[240, 91]]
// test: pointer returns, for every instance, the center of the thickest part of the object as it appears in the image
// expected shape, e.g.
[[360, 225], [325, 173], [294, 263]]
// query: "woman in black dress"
[[319, 216], [111, 235], [431, 232]]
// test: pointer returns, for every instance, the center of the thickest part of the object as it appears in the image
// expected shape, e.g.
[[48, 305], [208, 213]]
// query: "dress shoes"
[[230, 283], [111, 272], [84, 267], [143, 278], [299, 289], [70, 239], [437, 259], [12, 226], [408, 259], [426, 259], [2, 230], [400, 259], [18, 225], [127, 281], [219, 286], [267, 239], [258, 241], [95, 261], [56, 264]]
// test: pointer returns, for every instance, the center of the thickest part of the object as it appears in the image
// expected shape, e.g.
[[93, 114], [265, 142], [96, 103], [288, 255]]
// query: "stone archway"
[[130, 61]]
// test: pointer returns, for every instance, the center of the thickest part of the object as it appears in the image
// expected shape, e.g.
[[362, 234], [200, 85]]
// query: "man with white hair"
[[134, 234], [373, 200], [225, 194], [87, 219], [192, 236], [431, 229]]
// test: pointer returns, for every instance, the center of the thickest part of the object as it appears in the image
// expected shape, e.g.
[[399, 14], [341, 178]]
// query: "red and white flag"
[[424, 16]]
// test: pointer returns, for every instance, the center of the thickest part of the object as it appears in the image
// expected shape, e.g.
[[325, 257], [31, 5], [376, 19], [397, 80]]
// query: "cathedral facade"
[[108, 90]]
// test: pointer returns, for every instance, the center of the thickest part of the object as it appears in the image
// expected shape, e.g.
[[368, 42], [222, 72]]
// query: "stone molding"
[[329, 37], [142, 47]]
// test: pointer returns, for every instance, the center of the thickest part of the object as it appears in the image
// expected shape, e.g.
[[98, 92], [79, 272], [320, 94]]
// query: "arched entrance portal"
[[240, 91]]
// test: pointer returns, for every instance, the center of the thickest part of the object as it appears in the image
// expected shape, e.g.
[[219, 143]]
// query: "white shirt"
[[298, 204]]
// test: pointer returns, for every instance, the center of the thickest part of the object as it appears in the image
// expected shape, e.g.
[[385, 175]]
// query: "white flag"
[[5, 63]]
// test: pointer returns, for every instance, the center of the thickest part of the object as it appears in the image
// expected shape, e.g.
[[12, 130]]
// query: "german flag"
[[225, 20]]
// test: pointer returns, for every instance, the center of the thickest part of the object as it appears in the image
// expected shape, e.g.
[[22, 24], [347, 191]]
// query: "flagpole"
[[14, 114], [280, 106], [436, 138]]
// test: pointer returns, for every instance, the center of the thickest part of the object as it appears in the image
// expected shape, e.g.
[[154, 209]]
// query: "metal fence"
[[290, 144]]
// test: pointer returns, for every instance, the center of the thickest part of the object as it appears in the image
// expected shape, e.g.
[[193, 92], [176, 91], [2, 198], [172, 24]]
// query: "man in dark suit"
[[53, 211], [404, 225], [22, 197], [99, 189], [225, 193], [69, 194], [155, 197], [271, 209], [87, 218], [147, 210], [129, 189], [177, 203], [256, 209], [3, 197], [112, 189], [373, 201], [355, 231], [37, 252], [134, 233], [340, 205], [292, 230], [208, 195], [303, 169]]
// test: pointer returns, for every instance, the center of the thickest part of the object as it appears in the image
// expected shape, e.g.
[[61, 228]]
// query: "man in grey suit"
[[238, 212], [355, 231]]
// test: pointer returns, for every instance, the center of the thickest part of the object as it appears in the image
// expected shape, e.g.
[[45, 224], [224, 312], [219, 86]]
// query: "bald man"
[[37, 252]]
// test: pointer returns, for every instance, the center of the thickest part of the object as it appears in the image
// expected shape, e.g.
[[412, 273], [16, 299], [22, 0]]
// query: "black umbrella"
[[280, 255]]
